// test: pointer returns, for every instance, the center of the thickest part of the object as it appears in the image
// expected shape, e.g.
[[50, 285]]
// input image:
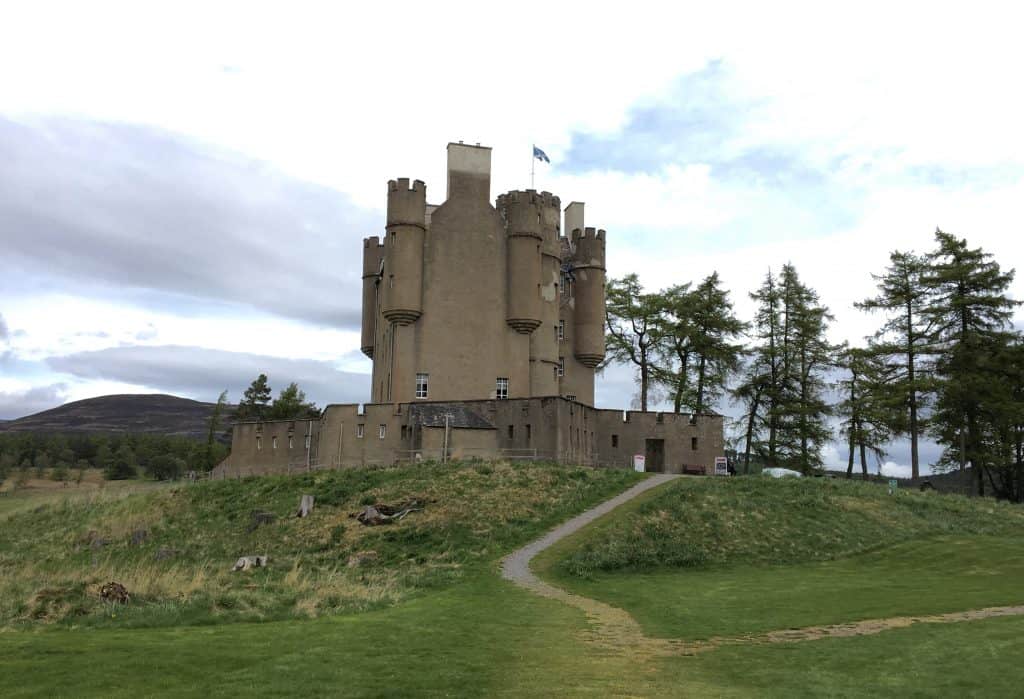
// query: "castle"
[[485, 325]]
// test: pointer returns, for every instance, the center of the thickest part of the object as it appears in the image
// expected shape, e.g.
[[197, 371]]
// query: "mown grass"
[[50, 572], [703, 558], [484, 638]]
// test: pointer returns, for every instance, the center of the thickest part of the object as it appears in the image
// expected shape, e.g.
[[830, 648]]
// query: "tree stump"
[[305, 506]]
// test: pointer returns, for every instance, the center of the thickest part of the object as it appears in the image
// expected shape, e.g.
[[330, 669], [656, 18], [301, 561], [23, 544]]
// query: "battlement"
[[589, 247], [373, 253], [548, 200], [407, 205], [522, 212], [402, 185], [372, 242]]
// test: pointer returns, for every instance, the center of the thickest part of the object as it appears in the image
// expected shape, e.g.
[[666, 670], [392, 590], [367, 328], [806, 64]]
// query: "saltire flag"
[[540, 155]]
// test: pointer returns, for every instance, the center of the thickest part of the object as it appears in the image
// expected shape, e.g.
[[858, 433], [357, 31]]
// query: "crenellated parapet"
[[403, 251]]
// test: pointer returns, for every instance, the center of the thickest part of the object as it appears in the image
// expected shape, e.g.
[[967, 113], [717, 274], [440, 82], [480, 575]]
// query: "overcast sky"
[[183, 187]]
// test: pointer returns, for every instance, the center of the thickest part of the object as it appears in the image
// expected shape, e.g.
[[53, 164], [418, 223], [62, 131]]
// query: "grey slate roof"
[[459, 416]]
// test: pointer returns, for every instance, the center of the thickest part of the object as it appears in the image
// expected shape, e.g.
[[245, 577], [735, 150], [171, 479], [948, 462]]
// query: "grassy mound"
[[51, 568], [696, 523]]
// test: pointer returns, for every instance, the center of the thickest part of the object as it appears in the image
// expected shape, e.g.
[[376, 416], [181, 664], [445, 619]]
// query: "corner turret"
[[588, 265], [403, 251], [373, 254]]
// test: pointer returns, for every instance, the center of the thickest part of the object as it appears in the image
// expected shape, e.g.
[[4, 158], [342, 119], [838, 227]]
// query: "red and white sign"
[[639, 463]]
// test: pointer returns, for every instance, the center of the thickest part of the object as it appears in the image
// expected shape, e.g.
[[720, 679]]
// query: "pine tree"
[[715, 329], [970, 312], [291, 404], [213, 428], [254, 401], [673, 323], [905, 342]]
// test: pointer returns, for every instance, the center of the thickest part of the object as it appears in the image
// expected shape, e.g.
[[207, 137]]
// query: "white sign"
[[721, 466], [639, 463]]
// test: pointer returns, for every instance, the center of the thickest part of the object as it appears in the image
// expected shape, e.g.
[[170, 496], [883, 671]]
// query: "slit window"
[[615, 441], [291, 442], [273, 443], [382, 431], [693, 443], [561, 330], [421, 385], [259, 443], [511, 431], [561, 366], [501, 389], [529, 433], [359, 430]]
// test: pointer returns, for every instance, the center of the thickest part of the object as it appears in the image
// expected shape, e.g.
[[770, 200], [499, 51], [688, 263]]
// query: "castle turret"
[[589, 273], [373, 253], [403, 251], [522, 214]]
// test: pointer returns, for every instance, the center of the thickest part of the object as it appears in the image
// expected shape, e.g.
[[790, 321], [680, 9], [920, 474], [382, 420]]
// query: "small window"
[[307, 441], [273, 443], [693, 443], [391, 281], [421, 385], [382, 431], [561, 330], [291, 442], [404, 431], [511, 431], [259, 443], [615, 441], [359, 431], [561, 366], [570, 396], [529, 433], [501, 389]]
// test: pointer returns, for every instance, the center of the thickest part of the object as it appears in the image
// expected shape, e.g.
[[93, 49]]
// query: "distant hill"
[[154, 413]]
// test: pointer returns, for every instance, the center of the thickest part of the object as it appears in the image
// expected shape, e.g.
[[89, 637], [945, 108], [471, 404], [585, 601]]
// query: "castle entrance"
[[655, 455]]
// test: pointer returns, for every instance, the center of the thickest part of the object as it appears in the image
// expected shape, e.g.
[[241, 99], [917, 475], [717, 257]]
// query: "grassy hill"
[[50, 567], [429, 616], [156, 413]]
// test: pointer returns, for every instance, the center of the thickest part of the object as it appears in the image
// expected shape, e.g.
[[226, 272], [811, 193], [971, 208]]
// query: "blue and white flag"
[[540, 155]]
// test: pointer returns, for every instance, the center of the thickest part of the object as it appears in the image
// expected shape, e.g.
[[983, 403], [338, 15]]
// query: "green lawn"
[[930, 576]]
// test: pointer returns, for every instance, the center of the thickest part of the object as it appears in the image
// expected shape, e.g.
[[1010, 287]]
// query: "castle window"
[[693, 443], [405, 431], [273, 443], [501, 389], [615, 441], [561, 330], [529, 433], [561, 366], [511, 431], [259, 443], [391, 281], [382, 431], [359, 430], [570, 396], [307, 441], [291, 442], [421, 385]]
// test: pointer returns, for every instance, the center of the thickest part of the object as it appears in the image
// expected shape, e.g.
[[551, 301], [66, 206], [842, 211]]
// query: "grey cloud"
[[21, 403], [203, 373], [146, 214]]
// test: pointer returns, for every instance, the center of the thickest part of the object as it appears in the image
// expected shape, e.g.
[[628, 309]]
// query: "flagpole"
[[533, 164]]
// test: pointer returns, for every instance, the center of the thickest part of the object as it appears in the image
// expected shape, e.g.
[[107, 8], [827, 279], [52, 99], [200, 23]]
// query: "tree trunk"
[[915, 469], [849, 463], [700, 384], [644, 379], [751, 419], [863, 461]]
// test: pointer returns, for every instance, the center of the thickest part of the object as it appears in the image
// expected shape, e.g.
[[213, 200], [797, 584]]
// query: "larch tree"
[[865, 409], [970, 311], [905, 342], [631, 318]]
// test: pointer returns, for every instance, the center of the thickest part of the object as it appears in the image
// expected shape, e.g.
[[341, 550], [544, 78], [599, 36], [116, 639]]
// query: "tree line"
[[945, 362]]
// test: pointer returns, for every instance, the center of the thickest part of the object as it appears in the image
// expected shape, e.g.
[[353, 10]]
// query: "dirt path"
[[617, 631]]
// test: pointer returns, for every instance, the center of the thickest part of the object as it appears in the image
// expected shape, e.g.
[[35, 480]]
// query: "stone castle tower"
[[467, 300]]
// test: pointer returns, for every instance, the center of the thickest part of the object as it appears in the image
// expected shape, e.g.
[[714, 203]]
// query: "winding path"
[[615, 630]]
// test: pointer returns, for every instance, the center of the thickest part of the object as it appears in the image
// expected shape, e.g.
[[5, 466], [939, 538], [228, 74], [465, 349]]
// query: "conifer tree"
[[865, 406], [631, 317], [970, 312], [291, 404], [905, 342], [254, 401]]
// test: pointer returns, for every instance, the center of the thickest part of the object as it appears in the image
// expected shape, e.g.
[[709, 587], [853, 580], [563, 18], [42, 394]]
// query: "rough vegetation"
[[752, 521], [55, 558]]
